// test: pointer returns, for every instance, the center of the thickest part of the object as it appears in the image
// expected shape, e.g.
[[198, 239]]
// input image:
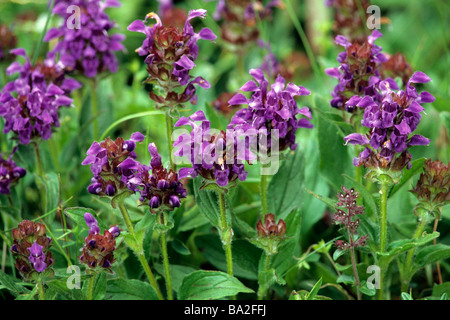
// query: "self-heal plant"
[[433, 192], [30, 104], [114, 168], [274, 113], [391, 122], [113, 165], [161, 189], [89, 48], [31, 250], [98, 250], [218, 158], [358, 73], [170, 53]]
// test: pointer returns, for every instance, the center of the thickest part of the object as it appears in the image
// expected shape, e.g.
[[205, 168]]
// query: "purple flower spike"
[[271, 108], [215, 155], [30, 104], [89, 48], [391, 122], [170, 53]]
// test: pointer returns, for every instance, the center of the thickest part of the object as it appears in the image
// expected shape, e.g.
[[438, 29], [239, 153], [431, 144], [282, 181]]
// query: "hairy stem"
[[263, 193], [94, 106], [90, 291], [139, 253], [169, 131], [383, 216], [227, 233], [355, 270], [438, 266], [41, 292], [410, 255], [262, 290], [163, 239]]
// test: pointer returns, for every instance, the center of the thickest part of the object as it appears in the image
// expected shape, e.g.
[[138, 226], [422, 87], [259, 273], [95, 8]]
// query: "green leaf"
[[338, 253], [312, 294], [441, 289], [146, 223], [207, 202], [192, 219], [60, 287], [206, 285], [285, 189], [177, 272], [77, 215], [368, 292], [431, 254], [400, 246], [9, 283], [245, 255], [28, 296], [130, 289], [417, 166], [345, 278], [406, 296], [334, 156], [180, 247], [328, 201]]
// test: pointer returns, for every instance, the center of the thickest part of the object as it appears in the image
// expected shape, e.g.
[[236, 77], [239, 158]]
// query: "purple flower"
[[391, 123], [157, 185], [358, 73], [170, 54], [89, 48], [271, 109], [30, 104], [92, 223], [215, 155], [10, 173], [37, 257], [114, 165]]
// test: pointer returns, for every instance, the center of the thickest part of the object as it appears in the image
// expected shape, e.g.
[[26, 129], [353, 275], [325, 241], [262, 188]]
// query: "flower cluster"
[[10, 174], [433, 187], [396, 66], [215, 155], [170, 54], [161, 188], [98, 250], [239, 27], [391, 121], [89, 48], [358, 73], [270, 234], [346, 210], [30, 104], [271, 109], [8, 41], [112, 164], [31, 249], [348, 19]]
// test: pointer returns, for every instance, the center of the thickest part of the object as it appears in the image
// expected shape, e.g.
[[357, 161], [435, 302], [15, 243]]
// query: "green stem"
[[38, 159], [90, 291], [410, 255], [41, 292], [94, 106], [165, 258], [262, 291], [383, 235], [226, 233], [383, 216], [169, 131], [139, 253], [263, 192]]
